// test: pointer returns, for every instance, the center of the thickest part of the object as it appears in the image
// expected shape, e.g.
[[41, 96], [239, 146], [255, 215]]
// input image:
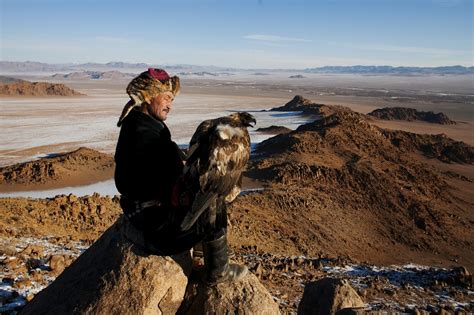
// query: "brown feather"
[[126, 110], [220, 150]]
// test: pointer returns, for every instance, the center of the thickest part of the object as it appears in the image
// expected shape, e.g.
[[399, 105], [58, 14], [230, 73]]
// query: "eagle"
[[218, 153]]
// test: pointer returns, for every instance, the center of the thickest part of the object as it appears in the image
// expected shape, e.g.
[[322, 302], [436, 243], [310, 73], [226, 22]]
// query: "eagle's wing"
[[202, 131], [218, 159]]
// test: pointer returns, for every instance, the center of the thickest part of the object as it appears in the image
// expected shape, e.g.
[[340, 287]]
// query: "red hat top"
[[158, 74]]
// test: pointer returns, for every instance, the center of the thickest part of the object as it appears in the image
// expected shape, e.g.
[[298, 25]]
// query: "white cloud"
[[275, 38]]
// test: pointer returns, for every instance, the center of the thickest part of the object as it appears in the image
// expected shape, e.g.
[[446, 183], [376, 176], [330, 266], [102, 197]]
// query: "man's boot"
[[216, 262], [197, 250]]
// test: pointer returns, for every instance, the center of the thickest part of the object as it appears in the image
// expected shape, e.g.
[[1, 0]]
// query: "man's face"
[[161, 105]]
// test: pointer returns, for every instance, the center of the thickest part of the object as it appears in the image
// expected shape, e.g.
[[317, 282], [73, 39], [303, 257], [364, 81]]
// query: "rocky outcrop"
[[84, 163], [297, 103], [116, 276], [329, 296], [26, 88], [331, 180], [410, 114], [345, 130], [247, 296], [308, 107], [274, 130], [66, 217], [438, 147]]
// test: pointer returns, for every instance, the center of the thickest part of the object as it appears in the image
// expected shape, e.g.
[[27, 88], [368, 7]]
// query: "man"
[[148, 167]]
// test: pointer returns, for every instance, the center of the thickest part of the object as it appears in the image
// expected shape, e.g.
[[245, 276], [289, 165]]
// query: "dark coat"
[[148, 165], [148, 162]]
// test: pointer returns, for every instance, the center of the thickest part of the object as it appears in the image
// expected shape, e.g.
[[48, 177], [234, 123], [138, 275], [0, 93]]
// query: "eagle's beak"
[[252, 122]]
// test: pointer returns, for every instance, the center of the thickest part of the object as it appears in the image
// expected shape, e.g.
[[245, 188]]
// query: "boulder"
[[330, 296], [116, 276], [57, 263], [248, 296]]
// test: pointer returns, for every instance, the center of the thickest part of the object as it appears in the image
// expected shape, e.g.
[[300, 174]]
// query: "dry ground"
[[339, 191]]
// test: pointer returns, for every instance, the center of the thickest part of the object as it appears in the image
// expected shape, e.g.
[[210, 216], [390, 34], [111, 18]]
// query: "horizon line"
[[235, 68]]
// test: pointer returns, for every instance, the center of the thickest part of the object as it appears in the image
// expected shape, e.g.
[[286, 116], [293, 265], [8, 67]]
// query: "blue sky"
[[244, 34]]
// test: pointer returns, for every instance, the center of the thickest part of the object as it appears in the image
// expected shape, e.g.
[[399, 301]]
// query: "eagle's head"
[[244, 118]]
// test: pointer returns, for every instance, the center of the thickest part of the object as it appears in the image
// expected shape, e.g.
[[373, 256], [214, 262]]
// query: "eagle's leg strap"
[[216, 262]]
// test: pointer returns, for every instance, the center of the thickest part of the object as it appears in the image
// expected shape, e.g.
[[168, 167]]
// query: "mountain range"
[[33, 66]]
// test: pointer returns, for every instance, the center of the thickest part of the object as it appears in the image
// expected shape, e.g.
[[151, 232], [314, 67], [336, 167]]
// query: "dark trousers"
[[161, 228]]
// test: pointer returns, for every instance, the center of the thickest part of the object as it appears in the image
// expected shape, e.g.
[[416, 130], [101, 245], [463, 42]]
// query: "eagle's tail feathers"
[[201, 203], [191, 153]]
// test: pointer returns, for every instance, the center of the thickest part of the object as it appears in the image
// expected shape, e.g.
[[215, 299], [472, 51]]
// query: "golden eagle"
[[218, 153]]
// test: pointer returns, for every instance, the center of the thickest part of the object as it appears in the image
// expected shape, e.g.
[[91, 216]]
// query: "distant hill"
[[204, 74], [26, 88], [95, 75], [296, 76], [410, 114], [308, 107], [8, 80], [392, 70], [30, 66], [27, 66]]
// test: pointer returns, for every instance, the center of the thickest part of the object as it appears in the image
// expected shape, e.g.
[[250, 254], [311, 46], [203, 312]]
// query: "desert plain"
[[326, 207]]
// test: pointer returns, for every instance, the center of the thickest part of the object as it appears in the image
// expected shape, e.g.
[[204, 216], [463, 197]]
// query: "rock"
[[21, 284], [330, 296], [34, 263], [36, 275], [33, 250], [460, 277], [101, 209], [444, 312], [116, 276], [351, 311], [274, 130], [462, 271], [12, 264], [75, 209], [247, 296], [7, 249], [259, 270], [57, 264]]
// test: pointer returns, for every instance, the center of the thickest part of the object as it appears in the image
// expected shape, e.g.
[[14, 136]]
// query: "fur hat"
[[147, 85]]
